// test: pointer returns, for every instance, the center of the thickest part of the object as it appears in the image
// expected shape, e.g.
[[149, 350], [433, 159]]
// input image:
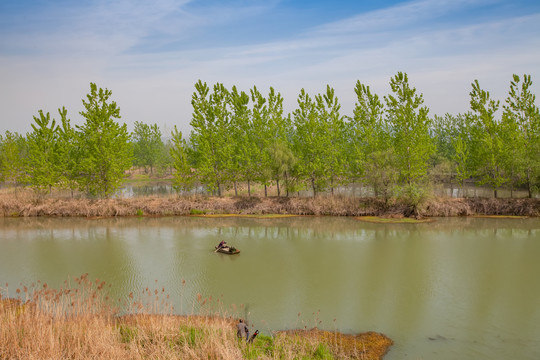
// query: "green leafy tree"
[[44, 153], [106, 150], [409, 123], [13, 152], [244, 165], [521, 120], [462, 144], [382, 173], [147, 145], [184, 177], [210, 135], [368, 128], [263, 134], [280, 157], [334, 134], [164, 160], [69, 153], [310, 143], [282, 162], [369, 141], [489, 153]]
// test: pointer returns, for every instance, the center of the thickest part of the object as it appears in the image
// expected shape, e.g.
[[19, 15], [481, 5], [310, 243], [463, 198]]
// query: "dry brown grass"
[[80, 322], [26, 204]]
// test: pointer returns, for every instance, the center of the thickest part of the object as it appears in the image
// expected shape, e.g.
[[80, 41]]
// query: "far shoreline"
[[26, 204]]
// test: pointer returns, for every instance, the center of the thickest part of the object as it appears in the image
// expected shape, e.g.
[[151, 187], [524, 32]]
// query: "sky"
[[151, 53]]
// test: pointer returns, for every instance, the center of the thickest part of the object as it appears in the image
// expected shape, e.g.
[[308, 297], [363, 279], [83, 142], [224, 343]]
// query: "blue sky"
[[151, 53]]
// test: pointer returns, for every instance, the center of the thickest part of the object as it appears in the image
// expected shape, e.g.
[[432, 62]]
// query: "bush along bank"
[[27, 205]]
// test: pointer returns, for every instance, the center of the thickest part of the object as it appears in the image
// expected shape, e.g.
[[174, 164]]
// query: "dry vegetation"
[[25, 203], [79, 322]]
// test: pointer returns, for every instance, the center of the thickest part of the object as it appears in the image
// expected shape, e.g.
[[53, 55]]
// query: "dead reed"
[[24, 203], [79, 321]]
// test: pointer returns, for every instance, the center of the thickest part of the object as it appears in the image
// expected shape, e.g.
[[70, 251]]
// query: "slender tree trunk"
[[235, 190], [277, 184], [287, 184], [313, 187], [249, 188], [219, 189], [529, 183], [265, 191]]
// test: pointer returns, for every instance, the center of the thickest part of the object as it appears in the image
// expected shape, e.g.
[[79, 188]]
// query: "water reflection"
[[456, 288], [164, 188]]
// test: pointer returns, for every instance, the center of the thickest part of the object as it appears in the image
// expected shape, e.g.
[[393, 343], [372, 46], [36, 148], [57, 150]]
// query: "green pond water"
[[456, 288]]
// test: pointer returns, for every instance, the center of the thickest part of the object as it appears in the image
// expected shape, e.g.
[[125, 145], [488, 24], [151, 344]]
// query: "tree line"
[[389, 143]]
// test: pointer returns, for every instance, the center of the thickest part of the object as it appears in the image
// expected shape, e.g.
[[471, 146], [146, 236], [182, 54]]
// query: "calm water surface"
[[454, 288]]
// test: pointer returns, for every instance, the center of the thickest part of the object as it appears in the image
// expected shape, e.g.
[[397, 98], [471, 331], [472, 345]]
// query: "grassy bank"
[[80, 322], [25, 203]]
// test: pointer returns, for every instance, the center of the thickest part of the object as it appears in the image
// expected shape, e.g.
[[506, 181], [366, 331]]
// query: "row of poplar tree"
[[389, 143]]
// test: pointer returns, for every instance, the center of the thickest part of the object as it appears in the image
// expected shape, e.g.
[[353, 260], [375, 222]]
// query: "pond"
[[462, 288]]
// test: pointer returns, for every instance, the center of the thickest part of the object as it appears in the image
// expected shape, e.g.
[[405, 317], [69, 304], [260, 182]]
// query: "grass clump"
[[322, 352], [197, 212], [392, 220], [127, 333]]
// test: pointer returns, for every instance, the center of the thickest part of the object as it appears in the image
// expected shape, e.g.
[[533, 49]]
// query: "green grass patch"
[[127, 334], [322, 352], [500, 216], [383, 220], [262, 346], [191, 336], [254, 216], [197, 212]]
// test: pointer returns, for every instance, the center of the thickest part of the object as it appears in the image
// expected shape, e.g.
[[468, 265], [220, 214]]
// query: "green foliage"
[[194, 336], [148, 147], [488, 154], [521, 124], [410, 126], [322, 352], [68, 152], [127, 334], [368, 131], [210, 137], [44, 155], [382, 173], [413, 195], [282, 163], [318, 139], [197, 212], [13, 152], [183, 178], [262, 346], [240, 137], [246, 155], [106, 152]]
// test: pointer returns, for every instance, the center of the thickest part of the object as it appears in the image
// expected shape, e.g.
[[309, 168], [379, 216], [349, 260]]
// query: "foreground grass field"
[[80, 322]]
